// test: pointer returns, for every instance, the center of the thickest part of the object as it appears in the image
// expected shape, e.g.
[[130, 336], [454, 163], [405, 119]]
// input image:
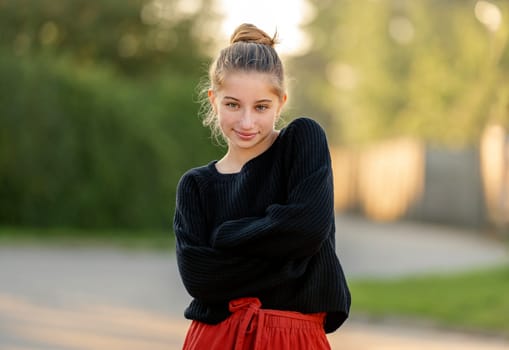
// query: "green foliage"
[[135, 37], [98, 118], [472, 301], [83, 147], [387, 68]]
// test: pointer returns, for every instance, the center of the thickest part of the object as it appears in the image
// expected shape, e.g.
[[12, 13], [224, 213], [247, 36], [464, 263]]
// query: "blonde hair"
[[250, 50]]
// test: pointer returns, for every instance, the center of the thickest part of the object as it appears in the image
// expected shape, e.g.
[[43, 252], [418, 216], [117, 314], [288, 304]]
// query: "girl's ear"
[[281, 104], [212, 99]]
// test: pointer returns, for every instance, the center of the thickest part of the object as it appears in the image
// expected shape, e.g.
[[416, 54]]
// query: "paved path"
[[370, 249], [105, 299]]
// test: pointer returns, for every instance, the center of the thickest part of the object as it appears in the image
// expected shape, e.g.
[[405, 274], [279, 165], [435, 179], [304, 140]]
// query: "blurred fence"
[[495, 173], [406, 178], [382, 180]]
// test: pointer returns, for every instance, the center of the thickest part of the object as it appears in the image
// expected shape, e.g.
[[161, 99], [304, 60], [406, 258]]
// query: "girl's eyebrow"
[[236, 99]]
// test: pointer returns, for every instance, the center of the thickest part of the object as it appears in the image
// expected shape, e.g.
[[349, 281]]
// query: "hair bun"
[[249, 33]]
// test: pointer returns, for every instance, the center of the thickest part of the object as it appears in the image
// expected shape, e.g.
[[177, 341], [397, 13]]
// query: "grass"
[[475, 301], [155, 240]]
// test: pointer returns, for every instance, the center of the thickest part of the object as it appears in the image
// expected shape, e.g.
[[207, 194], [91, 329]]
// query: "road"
[[61, 298]]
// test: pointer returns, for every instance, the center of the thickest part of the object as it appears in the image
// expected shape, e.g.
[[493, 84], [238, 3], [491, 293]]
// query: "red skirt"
[[253, 328]]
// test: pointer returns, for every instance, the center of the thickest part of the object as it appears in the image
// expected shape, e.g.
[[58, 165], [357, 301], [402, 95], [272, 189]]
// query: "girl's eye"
[[261, 108], [232, 105]]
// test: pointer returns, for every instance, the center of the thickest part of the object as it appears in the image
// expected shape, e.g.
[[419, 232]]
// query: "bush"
[[85, 148]]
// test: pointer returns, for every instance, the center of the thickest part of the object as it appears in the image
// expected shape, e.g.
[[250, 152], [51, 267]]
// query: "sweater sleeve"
[[214, 275], [298, 227]]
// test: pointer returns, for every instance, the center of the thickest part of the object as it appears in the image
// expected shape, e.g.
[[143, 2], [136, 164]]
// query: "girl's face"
[[247, 109]]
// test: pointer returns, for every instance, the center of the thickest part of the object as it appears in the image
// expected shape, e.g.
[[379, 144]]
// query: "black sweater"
[[267, 231]]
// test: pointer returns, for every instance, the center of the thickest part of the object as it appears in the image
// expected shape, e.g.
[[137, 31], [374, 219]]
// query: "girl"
[[255, 230]]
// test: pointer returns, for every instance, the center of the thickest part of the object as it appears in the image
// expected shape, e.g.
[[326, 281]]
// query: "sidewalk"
[[367, 336], [111, 299], [369, 249]]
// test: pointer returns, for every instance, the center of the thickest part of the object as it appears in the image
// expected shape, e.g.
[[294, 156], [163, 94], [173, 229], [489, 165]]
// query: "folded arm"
[[213, 275]]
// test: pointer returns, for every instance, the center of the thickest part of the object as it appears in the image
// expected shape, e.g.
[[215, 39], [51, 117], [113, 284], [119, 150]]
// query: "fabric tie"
[[253, 314]]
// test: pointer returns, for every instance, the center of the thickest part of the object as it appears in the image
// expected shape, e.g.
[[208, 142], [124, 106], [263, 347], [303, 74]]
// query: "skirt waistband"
[[277, 318]]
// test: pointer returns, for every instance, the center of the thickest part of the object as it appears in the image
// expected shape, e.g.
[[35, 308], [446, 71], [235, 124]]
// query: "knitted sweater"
[[267, 231]]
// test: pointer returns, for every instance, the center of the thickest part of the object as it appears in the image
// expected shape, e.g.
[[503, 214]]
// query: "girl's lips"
[[246, 135]]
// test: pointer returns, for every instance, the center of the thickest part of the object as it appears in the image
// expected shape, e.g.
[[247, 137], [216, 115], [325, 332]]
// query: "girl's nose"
[[247, 120]]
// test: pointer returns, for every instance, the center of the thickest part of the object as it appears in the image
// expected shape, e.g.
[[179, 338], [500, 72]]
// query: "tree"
[[135, 37], [98, 112], [432, 69]]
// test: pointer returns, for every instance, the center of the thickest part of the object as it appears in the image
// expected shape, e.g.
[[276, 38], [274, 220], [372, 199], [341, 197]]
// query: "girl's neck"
[[235, 158]]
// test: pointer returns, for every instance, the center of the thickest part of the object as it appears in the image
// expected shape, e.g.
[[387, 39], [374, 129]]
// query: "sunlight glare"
[[488, 14], [285, 17]]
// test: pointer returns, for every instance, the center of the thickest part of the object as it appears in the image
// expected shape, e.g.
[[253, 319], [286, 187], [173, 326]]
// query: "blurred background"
[[99, 118], [99, 115]]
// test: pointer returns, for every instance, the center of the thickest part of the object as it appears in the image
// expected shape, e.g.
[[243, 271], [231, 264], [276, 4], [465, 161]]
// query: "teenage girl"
[[255, 232]]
